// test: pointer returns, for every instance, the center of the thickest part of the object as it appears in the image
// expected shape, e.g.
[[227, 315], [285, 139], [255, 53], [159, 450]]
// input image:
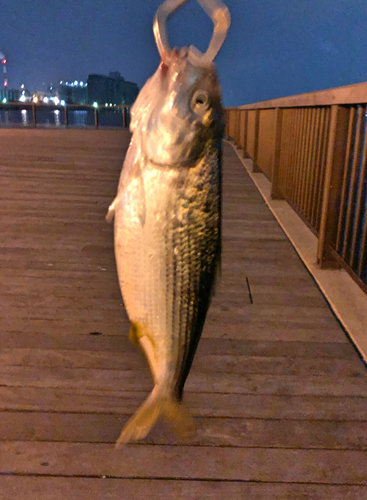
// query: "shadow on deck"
[[279, 393]]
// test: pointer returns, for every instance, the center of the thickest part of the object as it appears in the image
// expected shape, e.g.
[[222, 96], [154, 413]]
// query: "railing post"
[[245, 133], [238, 126], [276, 192], [96, 117], [66, 115], [242, 129], [338, 134], [229, 118], [255, 167], [124, 116], [34, 119]]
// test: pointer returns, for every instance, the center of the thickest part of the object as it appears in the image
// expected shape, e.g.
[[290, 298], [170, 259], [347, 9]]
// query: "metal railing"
[[313, 149], [19, 114]]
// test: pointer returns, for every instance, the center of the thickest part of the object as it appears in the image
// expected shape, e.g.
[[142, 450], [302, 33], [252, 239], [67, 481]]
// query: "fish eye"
[[200, 101]]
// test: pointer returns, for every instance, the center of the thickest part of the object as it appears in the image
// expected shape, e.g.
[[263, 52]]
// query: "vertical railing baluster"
[[245, 133], [276, 192], [338, 135], [34, 118], [255, 167], [66, 115]]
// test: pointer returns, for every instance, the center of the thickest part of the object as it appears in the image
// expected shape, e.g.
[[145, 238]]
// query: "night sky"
[[274, 47]]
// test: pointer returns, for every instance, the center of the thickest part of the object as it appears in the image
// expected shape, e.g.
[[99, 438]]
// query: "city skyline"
[[272, 49]]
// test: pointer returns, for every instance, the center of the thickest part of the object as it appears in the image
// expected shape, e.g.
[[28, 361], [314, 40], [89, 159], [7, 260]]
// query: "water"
[[50, 116]]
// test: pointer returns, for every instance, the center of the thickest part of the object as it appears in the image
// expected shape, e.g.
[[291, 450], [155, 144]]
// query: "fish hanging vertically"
[[168, 216]]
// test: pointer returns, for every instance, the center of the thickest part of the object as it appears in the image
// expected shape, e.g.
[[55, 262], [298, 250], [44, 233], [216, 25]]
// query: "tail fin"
[[156, 405]]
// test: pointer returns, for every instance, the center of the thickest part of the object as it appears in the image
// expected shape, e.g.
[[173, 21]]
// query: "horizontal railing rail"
[[31, 114], [313, 150]]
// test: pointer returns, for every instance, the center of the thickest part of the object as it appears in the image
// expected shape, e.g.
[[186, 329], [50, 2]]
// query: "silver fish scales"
[[168, 227]]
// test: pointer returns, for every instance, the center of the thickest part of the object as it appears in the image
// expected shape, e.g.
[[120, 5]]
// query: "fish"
[[167, 228]]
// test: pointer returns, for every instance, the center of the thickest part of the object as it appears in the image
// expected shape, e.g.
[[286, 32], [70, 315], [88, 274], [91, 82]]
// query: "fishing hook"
[[218, 13]]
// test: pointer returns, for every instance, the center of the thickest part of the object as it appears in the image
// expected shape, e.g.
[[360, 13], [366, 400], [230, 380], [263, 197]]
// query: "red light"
[[5, 84], [4, 61]]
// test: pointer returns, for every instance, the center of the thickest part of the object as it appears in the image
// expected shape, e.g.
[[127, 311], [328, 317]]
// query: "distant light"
[[95, 105], [105, 104], [67, 83], [35, 99], [60, 82], [50, 88], [4, 61], [4, 100], [81, 84], [76, 82], [56, 101], [57, 111], [22, 86], [22, 98], [5, 84], [45, 100], [62, 102]]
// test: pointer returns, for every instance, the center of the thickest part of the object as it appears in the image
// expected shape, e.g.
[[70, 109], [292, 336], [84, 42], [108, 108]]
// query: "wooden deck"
[[278, 392]]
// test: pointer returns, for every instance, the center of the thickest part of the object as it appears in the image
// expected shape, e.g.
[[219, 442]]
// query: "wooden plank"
[[121, 402], [75, 340], [236, 432], [232, 383], [240, 326], [44, 488], [334, 408], [256, 464], [204, 362]]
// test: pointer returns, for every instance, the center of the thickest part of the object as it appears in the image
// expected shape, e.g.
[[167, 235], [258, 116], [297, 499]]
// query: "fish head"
[[178, 112]]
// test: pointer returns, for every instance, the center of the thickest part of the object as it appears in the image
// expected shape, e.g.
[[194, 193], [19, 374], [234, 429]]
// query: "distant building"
[[71, 92], [112, 89], [9, 95]]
